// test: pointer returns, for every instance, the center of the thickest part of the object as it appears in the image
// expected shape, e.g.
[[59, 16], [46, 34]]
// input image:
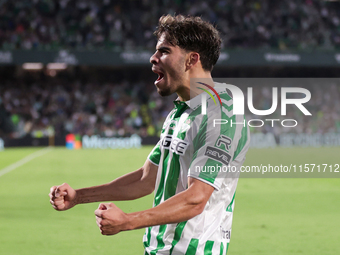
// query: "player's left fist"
[[110, 219]]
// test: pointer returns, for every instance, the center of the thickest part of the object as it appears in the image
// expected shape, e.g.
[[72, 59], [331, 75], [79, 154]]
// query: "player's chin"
[[164, 92]]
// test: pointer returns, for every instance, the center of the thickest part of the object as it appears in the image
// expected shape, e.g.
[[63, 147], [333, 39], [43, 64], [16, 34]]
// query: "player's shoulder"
[[223, 92]]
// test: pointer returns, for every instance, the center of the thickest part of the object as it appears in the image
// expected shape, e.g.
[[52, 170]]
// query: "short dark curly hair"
[[192, 34]]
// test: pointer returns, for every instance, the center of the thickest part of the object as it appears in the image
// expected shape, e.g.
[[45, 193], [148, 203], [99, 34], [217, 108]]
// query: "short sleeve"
[[214, 147], [155, 154]]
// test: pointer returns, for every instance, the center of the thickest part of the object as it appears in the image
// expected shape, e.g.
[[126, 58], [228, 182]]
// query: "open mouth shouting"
[[160, 75]]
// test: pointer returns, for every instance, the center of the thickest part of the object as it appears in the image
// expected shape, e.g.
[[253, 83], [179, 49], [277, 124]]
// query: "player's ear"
[[192, 59]]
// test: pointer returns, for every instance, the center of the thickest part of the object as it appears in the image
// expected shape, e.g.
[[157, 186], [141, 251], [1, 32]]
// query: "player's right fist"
[[62, 197]]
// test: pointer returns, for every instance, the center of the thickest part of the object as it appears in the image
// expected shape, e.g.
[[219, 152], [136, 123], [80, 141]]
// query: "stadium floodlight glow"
[[32, 66], [56, 66]]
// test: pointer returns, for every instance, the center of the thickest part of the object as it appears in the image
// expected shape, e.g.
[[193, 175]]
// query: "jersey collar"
[[193, 103], [196, 102]]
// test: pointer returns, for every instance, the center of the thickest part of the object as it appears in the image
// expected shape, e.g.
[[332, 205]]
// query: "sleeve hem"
[[153, 162], [216, 187]]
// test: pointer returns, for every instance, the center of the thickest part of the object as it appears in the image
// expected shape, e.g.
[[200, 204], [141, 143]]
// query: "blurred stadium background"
[[82, 68]]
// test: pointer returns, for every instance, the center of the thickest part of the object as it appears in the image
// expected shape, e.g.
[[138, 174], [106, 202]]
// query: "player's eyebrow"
[[163, 48]]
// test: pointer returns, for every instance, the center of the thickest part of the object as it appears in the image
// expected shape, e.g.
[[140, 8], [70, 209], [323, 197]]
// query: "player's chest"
[[177, 135]]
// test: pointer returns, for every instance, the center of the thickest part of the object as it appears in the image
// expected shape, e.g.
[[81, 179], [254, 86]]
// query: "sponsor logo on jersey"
[[225, 233], [174, 144], [218, 155], [224, 140]]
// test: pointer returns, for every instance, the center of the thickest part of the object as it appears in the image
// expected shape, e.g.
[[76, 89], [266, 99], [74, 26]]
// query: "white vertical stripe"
[[153, 241], [204, 105], [216, 248]]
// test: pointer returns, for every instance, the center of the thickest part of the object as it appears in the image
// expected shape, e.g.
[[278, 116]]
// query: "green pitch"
[[272, 216]]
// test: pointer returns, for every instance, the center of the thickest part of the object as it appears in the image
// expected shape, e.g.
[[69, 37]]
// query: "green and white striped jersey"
[[191, 145]]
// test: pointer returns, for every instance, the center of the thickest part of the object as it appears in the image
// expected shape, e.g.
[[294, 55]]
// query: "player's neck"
[[192, 85]]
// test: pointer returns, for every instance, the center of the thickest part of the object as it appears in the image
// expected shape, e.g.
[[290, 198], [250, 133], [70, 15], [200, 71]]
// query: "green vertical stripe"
[[242, 142], [180, 109], [227, 129], [178, 233], [172, 178], [148, 238], [192, 248], [208, 247], [230, 208], [160, 190], [155, 155], [221, 248], [199, 139], [202, 129], [160, 243], [210, 173], [227, 247]]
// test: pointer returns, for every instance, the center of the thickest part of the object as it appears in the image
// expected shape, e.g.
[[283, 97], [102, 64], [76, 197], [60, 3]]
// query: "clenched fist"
[[110, 219], [62, 197]]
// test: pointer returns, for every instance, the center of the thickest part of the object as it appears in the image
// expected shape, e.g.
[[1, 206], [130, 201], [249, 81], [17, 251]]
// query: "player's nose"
[[154, 59]]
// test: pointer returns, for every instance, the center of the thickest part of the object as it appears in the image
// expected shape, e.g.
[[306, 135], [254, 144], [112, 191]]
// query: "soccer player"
[[194, 199]]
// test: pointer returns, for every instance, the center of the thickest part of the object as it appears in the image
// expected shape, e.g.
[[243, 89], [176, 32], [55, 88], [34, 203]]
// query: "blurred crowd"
[[57, 106], [51, 106], [129, 24]]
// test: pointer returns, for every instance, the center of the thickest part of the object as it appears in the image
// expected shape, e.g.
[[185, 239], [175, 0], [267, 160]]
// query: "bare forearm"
[[178, 208], [181, 207], [167, 213], [128, 187]]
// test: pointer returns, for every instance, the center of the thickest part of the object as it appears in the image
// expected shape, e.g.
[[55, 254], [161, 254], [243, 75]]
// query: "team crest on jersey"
[[186, 125], [188, 121], [170, 123], [174, 144]]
